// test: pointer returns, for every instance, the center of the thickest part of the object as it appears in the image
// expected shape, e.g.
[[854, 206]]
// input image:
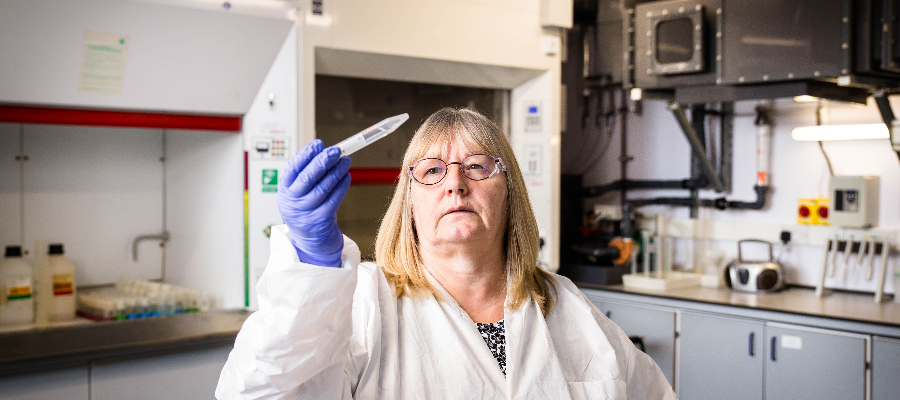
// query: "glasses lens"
[[429, 171], [478, 166]]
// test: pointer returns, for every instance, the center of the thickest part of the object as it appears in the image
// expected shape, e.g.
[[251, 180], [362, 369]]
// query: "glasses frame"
[[497, 161]]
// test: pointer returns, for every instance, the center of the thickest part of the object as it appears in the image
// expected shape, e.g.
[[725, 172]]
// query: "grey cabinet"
[[69, 384], [655, 326], [808, 363], [190, 375], [726, 352], [736, 358], [885, 368], [720, 358]]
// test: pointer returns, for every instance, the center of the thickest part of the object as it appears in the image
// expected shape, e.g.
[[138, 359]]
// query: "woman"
[[455, 306]]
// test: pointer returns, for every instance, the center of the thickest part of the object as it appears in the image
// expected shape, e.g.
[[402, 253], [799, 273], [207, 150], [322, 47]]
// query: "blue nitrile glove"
[[314, 183]]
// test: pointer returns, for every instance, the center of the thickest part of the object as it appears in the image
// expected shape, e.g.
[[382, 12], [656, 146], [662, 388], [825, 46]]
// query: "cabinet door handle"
[[772, 350], [752, 334]]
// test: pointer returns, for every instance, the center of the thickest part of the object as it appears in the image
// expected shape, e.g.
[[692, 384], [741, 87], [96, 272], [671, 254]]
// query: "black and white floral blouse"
[[494, 336]]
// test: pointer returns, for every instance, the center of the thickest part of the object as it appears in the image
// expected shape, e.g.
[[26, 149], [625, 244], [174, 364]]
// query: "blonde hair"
[[396, 248]]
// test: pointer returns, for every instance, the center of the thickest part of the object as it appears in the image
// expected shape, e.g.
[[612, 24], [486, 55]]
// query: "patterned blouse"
[[494, 336]]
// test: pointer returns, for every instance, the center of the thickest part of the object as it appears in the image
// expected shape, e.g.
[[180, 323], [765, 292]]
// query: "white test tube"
[[371, 134]]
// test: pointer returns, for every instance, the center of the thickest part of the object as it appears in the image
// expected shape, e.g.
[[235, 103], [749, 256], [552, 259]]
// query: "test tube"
[[371, 134]]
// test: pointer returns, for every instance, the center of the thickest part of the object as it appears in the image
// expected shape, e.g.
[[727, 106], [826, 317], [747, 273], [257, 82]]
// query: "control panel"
[[854, 201], [812, 211], [271, 148]]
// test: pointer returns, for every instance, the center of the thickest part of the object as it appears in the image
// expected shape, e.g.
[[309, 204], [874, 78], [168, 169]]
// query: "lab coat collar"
[[532, 365]]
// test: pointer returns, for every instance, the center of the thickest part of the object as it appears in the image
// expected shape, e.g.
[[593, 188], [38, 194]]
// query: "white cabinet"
[[654, 325], [69, 384]]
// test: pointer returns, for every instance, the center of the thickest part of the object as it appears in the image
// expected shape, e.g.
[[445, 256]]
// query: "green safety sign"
[[269, 180]]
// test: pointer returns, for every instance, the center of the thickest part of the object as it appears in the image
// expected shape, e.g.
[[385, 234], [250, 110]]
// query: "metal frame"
[[696, 63]]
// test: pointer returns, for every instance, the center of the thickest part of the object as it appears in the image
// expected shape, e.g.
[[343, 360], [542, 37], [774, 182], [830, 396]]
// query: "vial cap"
[[56, 248], [13, 251]]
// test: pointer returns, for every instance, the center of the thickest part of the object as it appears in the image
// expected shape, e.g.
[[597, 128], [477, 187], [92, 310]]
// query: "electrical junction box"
[[854, 201], [812, 211]]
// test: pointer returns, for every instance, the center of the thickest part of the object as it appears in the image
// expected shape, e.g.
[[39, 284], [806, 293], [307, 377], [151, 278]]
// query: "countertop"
[[67, 347], [853, 307]]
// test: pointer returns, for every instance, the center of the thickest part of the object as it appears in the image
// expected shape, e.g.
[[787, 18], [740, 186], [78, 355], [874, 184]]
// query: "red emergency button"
[[804, 211], [823, 212]]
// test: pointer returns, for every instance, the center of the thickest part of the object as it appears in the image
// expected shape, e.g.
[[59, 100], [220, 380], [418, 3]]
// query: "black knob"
[[744, 276]]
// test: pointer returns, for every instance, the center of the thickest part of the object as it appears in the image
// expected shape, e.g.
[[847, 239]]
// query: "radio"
[[754, 276]]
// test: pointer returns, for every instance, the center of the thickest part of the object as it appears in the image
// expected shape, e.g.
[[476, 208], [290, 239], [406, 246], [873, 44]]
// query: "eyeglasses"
[[477, 167]]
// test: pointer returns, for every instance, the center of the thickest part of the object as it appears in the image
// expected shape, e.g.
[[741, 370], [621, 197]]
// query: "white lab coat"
[[339, 333]]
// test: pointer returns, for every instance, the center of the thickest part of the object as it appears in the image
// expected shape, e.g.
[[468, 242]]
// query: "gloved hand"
[[314, 183]]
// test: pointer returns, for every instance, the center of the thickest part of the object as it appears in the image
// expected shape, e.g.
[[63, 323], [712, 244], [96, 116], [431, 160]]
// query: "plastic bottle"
[[62, 274], [16, 282]]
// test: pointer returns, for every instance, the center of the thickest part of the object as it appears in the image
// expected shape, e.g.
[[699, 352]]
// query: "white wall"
[[798, 171]]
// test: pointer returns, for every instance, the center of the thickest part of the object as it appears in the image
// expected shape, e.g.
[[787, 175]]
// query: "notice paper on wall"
[[102, 63]]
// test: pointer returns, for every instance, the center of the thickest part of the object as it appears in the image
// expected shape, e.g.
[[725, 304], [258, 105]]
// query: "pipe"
[[720, 203], [698, 122], [624, 158], [597, 252], [884, 107], [595, 191], [887, 115], [163, 237], [696, 145], [726, 144], [763, 124], [759, 204]]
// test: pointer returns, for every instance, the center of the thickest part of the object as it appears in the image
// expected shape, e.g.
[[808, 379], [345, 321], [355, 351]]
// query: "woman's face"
[[458, 210]]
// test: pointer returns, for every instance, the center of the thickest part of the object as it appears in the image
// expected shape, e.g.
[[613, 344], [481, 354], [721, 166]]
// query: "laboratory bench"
[[177, 355], [718, 343]]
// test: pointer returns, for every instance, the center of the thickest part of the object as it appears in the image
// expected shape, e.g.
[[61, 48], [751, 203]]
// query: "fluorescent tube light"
[[805, 99], [840, 132]]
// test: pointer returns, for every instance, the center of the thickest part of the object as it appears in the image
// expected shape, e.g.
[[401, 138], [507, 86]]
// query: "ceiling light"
[[805, 99], [840, 132]]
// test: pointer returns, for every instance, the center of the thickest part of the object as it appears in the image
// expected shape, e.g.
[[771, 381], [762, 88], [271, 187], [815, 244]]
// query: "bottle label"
[[63, 284], [18, 289]]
